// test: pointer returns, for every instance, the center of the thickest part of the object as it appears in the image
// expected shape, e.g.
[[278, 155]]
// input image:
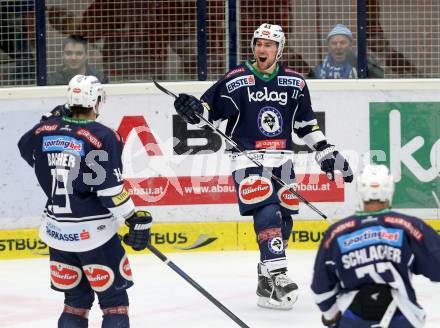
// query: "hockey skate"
[[276, 291]]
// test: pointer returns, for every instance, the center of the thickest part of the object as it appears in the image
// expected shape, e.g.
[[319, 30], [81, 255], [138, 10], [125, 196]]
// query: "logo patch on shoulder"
[[240, 81], [291, 81], [90, 137], [234, 71], [46, 128], [270, 121]]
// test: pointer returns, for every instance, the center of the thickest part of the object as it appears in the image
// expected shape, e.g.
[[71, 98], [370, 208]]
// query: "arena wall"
[[181, 174]]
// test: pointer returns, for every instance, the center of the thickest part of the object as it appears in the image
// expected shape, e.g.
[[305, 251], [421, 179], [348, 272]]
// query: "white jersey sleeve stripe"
[[302, 124], [313, 138], [319, 298], [124, 210], [110, 191], [331, 313]]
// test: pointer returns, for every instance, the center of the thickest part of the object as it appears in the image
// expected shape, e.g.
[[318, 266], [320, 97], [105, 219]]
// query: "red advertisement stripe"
[[185, 190]]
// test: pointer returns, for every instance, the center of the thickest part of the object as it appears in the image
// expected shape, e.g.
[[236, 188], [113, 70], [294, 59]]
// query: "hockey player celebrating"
[[78, 165], [264, 102], [363, 269]]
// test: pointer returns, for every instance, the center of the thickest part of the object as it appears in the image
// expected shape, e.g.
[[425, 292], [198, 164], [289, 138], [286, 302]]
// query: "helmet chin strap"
[[279, 55], [96, 109]]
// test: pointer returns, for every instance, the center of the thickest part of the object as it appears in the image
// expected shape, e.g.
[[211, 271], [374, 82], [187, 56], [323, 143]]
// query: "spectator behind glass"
[[75, 59], [341, 60]]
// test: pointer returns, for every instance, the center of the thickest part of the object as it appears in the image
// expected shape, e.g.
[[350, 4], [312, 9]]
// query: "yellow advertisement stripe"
[[181, 237]]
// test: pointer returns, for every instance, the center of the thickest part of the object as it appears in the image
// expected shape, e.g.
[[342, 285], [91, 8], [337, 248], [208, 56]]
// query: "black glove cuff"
[[327, 152], [320, 145]]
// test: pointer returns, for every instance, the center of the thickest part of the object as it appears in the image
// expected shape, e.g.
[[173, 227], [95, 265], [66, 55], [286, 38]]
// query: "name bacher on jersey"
[[69, 147]]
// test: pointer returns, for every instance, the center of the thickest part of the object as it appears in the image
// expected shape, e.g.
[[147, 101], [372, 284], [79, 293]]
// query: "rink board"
[[181, 237], [181, 174]]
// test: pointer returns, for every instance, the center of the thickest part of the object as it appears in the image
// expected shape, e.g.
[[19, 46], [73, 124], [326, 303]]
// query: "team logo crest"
[[270, 121], [276, 245]]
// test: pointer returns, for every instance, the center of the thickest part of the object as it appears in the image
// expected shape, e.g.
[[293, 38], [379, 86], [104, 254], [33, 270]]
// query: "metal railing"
[[174, 40]]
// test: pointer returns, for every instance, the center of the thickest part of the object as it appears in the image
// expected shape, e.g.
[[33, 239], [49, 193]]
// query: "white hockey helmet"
[[375, 182], [85, 91], [270, 32]]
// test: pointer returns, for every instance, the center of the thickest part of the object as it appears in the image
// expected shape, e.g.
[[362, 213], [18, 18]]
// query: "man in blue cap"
[[341, 61]]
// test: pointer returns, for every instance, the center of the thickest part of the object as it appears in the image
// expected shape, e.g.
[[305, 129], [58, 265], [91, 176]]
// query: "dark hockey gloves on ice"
[[330, 160], [61, 110], [186, 106], [138, 236]]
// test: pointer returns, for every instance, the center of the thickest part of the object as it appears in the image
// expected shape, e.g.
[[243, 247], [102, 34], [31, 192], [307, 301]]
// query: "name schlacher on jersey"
[[371, 244], [371, 254]]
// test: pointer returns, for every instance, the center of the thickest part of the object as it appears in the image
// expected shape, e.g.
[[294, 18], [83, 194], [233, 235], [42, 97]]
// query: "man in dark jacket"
[[75, 62], [341, 61]]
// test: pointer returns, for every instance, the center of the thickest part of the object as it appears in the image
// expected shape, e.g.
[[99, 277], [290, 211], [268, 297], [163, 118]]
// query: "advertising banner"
[[408, 134], [181, 237], [175, 237], [181, 173]]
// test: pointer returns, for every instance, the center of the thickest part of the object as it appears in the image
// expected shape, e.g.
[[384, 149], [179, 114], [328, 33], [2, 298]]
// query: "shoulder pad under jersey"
[[292, 72], [234, 72], [338, 228]]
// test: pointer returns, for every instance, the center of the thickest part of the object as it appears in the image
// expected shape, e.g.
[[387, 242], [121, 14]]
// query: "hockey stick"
[[243, 152], [388, 316], [181, 273], [436, 198]]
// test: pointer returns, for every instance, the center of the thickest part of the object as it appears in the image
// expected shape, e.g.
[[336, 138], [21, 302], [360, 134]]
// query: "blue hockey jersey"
[[383, 247], [263, 110], [78, 165]]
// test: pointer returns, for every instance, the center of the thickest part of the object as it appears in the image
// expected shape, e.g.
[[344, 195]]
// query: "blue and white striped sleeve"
[[325, 284]]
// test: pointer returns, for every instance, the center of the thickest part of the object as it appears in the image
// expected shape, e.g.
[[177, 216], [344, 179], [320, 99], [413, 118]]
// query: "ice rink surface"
[[161, 298]]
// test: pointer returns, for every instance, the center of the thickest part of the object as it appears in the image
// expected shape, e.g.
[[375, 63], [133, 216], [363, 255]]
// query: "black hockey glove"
[[138, 236], [330, 160], [60, 110], [186, 106], [333, 323]]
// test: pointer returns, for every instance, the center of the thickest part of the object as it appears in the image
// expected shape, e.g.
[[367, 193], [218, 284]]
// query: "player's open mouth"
[[262, 59]]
